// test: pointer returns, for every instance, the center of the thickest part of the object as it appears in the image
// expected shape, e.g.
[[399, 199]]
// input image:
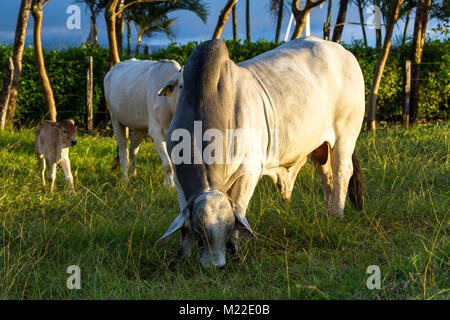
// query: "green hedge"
[[66, 72]]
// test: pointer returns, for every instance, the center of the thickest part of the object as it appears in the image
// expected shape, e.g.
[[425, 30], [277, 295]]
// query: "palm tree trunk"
[[361, 20], [405, 31], [326, 25], [378, 31], [6, 91], [110, 20], [394, 9], [128, 37], [223, 17], [300, 15], [279, 20], [247, 19], [420, 28], [37, 14], [93, 38], [235, 35], [337, 31], [19, 41], [119, 27], [139, 40]]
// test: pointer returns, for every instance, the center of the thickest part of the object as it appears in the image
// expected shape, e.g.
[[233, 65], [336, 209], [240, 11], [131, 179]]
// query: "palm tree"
[[394, 9], [19, 41], [361, 4], [300, 15], [234, 19], [340, 20], [327, 24], [420, 29], [276, 9], [37, 13], [95, 7], [151, 18], [223, 18], [247, 19]]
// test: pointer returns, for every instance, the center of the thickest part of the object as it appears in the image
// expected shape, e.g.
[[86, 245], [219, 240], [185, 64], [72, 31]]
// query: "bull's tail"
[[355, 187]]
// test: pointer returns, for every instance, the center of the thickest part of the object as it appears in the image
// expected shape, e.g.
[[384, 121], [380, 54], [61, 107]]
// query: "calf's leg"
[[65, 164], [41, 162], [51, 168]]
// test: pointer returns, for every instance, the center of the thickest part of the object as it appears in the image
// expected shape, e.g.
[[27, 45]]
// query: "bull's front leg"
[[240, 194], [135, 140]]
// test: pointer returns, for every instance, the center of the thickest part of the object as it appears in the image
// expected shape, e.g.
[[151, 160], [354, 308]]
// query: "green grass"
[[109, 229]]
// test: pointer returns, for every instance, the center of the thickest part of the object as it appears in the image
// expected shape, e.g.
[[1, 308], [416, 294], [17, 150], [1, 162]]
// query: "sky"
[[188, 26]]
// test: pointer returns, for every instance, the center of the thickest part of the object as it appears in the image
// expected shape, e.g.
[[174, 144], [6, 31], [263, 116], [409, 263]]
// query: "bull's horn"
[[176, 225], [244, 227]]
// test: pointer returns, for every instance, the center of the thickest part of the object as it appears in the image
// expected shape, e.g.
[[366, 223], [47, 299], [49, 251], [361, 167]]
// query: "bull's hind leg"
[[159, 139], [342, 168], [119, 133], [285, 178], [135, 140], [41, 162], [321, 160]]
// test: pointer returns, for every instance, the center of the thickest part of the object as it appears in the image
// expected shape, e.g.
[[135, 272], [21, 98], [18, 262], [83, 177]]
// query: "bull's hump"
[[205, 62]]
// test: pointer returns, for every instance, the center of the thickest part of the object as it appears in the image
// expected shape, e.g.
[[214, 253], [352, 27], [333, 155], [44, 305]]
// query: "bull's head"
[[209, 219], [173, 87]]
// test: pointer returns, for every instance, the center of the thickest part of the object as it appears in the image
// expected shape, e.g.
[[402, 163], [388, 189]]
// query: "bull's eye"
[[181, 87], [64, 131]]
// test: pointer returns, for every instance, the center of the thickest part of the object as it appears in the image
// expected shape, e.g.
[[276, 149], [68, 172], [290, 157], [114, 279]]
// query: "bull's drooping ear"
[[71, 121], [167, 90], [176, 225], [244, 227]]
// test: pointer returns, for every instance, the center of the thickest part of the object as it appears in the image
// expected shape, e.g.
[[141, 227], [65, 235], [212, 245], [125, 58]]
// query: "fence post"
[[89, 93], [6, 92], [407, 92]]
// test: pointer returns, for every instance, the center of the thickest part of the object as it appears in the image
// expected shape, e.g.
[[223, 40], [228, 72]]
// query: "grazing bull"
[[132, 91], [304, 99], [52, 142]]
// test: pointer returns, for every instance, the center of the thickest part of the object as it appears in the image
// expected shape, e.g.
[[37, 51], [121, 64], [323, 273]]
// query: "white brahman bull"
[[132, 91], [304, 99]]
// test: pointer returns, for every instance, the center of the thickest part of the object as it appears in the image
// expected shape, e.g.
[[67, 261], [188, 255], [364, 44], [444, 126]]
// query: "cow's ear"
[[176, 225], [244, 227], [167, 90], [52, 123]]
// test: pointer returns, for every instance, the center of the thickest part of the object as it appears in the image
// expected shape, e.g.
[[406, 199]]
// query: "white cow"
[[132, 91]]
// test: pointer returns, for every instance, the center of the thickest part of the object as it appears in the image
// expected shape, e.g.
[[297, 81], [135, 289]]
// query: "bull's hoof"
[[169, 184], [286, 200]]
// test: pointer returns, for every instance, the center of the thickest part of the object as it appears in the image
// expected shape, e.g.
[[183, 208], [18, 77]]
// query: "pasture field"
[[109, 228]]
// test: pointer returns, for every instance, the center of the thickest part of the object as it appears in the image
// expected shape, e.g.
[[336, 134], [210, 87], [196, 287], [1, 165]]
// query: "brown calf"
[[52, 143]]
